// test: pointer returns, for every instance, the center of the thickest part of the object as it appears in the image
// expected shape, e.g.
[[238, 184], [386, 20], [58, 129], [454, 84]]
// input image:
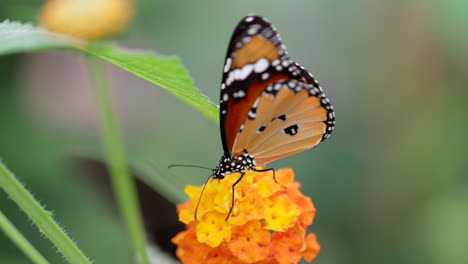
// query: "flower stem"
[[10, 231], [41, 217], [122, 183]]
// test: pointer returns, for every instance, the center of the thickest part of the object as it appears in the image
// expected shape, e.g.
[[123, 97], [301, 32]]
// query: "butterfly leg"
[[274, 175], [270, 169], [232, 199]]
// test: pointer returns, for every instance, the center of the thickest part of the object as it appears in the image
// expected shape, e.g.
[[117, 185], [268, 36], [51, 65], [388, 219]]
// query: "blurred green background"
[[390, 185]]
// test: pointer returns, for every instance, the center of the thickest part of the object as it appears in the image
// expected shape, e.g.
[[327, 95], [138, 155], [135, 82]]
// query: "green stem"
[[122, 183], [41, 217], [20, 241]]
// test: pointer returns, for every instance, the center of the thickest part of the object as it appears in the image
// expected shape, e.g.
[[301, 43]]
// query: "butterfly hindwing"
[[287, 118], [271, 107]]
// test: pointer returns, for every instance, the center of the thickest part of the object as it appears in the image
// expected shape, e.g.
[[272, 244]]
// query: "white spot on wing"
[[252, 31], [239, 94], [261, 65], [228, 64], [230, 78], [245, 72], [256, 102]]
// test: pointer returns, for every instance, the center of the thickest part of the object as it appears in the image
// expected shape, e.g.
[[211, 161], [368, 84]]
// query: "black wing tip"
[[254, 19]]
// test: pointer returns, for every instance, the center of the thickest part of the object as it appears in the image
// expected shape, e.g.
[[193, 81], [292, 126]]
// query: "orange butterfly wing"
[[256, 97], [290, 117]]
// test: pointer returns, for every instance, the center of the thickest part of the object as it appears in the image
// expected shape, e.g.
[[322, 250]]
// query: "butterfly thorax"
[[228, 165]]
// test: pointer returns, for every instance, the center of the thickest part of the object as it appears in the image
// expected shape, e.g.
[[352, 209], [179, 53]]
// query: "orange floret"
[[249, 242], [267, 226], [212, 229], [281, 213], [313, 247]]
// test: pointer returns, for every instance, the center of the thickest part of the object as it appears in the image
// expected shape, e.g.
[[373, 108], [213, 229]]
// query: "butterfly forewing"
[[248, 70], [271, 107]]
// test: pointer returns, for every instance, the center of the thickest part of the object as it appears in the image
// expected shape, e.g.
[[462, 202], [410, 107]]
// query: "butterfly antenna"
[[233, 186], [188, 166], [199, 198]]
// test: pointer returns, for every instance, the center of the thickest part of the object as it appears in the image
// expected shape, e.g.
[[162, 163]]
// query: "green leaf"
[[16, 37], [20, 241], [166, 72], [41, 217]]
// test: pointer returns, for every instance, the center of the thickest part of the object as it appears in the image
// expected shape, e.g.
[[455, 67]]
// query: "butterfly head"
[[228, 165]]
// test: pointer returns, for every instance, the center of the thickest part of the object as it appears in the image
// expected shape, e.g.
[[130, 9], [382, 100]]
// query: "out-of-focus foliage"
[[389, 185], [164, 71], [17, 37]]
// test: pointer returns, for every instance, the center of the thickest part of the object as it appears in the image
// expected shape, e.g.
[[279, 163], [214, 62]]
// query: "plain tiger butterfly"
[[270, 106]]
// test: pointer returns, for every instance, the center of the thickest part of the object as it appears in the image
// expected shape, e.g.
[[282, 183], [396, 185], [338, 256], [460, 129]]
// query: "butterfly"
[[270, 106]]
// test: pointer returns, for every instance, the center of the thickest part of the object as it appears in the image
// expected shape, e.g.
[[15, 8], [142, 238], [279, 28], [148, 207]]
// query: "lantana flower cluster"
[[268, 224]]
